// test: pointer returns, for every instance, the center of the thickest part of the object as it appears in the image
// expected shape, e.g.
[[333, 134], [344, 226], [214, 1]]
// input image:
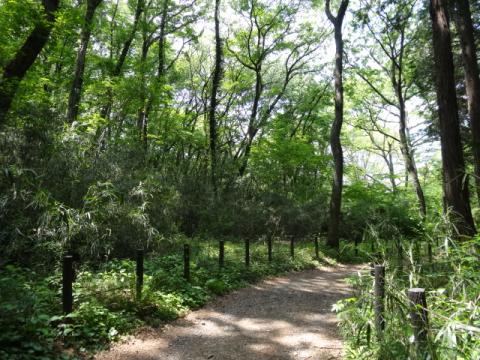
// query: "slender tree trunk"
[[142, 111], [335, 132], [388, 158], [463, 20], [410, 166], [455, 180], [102, 133], [16, 69], [147, 103], [252, 128], [405, 146], [217, 73], [117, 70], [76, 90], [161, 43]]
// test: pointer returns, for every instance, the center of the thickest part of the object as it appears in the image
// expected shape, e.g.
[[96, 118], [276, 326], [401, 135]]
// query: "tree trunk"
[[455, 180], [147, 103], [217, 73], [117, 70], [142, 111], [405, 146], [252, 128], [336, 146], [76, 90], [463, 20], [410, 166], [16, 69], [391, 168]]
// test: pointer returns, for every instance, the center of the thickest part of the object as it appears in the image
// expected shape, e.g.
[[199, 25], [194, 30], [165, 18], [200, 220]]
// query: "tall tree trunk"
[[252, 128], [454, 177], [16, 69], [142, 111], [117, 70], [102, 133], [76, 90], [217, 73], [161, 43], [410, 166], [405, 145], [463, 20], [147, 103], [391, 167], [335, 132]]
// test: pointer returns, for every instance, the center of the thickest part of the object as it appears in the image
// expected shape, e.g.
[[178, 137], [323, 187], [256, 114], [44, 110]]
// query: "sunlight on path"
[[280, 318]]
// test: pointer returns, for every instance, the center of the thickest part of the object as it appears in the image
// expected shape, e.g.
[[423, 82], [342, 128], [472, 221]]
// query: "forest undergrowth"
[[448, 270]]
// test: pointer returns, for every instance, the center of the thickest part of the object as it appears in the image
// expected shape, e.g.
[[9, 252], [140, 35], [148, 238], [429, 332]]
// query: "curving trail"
[[281, 318]]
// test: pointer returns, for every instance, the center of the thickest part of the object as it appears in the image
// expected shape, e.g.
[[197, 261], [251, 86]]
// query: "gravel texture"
[[282, 318]]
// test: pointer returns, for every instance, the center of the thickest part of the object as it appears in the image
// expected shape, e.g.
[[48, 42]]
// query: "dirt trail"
[[282, 318]]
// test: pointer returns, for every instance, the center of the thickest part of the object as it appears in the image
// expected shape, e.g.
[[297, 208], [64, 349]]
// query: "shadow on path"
[[280, 318]]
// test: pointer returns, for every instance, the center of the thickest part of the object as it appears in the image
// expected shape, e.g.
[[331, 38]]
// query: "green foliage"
[[374, 208], [26, 303]]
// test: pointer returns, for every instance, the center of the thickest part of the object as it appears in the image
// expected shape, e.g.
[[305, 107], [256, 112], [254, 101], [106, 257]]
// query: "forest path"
[[287, 317]]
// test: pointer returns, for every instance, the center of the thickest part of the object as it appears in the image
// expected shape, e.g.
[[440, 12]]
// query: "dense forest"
[[147, 124]]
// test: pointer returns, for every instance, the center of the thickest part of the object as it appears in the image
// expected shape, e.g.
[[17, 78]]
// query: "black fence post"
[[379, 305], [400, 250], [317, 255], [67, 284], [292, 246], [186, 262], [269, 248], [221, 254], [139, 274], [430, 252], [247, 252], [419, 319]]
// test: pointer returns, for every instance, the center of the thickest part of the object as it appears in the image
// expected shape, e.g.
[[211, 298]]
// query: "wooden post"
[[221, 254], [67, 285], [269, 248], [247, 252], [317, 255], [400, 254], [376, 259], [418, 250], [139, 274], [292, 247], [356, 246], [419, 319], [186, 262], [379, 305]]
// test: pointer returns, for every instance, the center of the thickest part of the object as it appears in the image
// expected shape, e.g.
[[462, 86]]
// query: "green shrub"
[[217, 286]]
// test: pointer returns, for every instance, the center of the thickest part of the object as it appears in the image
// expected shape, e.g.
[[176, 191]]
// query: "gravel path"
[[282, 318]]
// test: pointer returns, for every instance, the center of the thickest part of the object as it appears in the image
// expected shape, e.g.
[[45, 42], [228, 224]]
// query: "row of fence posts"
[[68, 270], [418, 310]]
